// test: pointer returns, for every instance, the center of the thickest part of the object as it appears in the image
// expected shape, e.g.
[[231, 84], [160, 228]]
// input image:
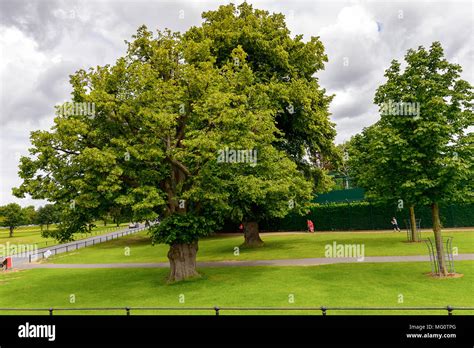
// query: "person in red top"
[[241, 227], [310, 226]]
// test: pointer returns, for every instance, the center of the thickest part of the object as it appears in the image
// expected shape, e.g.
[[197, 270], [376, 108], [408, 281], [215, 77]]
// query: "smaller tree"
[[428, 108], [13, 216], [47, 215], [30, 215], [271, 189], [374, 162]]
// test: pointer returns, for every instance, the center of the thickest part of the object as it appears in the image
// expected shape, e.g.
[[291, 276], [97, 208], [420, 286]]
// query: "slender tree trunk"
[[105, 222], [414, 234], [11, 231], [251, 234], [47, 227], [182, 259], [438, 239], [41, 226]]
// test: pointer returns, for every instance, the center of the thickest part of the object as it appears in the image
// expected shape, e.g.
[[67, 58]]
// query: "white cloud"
[[21, 65]]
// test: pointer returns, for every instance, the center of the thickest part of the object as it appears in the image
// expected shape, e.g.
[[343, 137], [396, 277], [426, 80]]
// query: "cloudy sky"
[[42, 42]]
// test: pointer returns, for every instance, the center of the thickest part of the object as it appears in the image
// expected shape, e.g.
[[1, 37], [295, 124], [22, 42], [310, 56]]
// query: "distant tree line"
[[13, 216]]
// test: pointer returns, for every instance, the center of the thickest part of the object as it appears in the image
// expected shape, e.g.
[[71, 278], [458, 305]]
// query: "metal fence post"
[[323, 310], [128, 310], [450, 310], [51, 311], [217, 309]]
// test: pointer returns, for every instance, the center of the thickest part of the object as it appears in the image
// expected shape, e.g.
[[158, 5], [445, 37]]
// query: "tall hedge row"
[[365, 216]]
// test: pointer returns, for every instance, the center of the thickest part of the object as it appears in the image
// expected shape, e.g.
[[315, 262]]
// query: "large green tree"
[[153, 143], [287, 66], [13, 216], [423, 138]]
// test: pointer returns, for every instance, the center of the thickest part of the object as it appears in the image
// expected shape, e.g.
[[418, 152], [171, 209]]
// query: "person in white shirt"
[[395, 224]]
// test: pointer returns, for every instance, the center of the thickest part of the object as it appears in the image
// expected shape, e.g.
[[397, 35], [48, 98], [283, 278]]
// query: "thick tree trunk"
[[438, 239], [182, 259], [414, 234], [11, 231], [251, 234]]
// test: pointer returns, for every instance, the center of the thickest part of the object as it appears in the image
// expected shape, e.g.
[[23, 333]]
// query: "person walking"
[[310, 226], [395, 225]]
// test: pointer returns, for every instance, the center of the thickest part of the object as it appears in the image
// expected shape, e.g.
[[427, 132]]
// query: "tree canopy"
[[163, 114], [13, 215], [421, 148]]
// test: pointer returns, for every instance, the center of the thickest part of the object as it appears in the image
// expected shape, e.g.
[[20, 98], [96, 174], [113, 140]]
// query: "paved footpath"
[[250, 263]]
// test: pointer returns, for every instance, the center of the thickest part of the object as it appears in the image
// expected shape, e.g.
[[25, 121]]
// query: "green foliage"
[[286, 66], [425, 157], [47, 215], [369, 216], [71, 222], [13, 215], [182, 229], [165, 109], [30, 215]]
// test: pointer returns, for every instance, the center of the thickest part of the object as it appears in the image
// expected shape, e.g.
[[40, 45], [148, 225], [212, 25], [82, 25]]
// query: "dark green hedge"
[[365, 216]]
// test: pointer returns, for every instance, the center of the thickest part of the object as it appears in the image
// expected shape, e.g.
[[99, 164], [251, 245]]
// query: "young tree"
[[428, 109], [47, 215], [374, 161], [13, 216], [119, 214], [30, 215]]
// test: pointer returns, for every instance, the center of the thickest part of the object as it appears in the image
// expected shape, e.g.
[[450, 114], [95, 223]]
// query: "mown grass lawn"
[[285, 246], [358, 285], [32, 235], [25, 235]]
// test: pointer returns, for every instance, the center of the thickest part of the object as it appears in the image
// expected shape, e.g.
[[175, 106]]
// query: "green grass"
[[359, 285], [32, 235], [276, 247], [25, 235]]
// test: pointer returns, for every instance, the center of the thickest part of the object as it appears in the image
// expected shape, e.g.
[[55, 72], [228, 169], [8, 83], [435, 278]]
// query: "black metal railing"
[[216, 310]]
